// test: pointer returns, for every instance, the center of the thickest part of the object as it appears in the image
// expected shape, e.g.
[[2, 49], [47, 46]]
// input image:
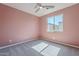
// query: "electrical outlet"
[[10, 41]]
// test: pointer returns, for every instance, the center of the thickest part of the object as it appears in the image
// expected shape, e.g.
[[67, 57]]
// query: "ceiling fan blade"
[[48, 6], [37, 10], [35, 6], [39, 4]]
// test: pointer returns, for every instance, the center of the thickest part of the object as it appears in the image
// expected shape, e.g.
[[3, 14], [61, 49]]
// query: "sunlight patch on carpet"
[[51, 51], [39, 47]]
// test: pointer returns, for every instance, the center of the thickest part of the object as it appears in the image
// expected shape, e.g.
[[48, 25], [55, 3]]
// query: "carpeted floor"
[[39, 48]]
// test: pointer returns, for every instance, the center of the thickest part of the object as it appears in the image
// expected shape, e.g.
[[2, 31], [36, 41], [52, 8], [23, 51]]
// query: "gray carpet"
[[26, 50]]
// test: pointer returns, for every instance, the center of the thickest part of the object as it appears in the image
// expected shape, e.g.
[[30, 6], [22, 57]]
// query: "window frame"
[[54, 30]]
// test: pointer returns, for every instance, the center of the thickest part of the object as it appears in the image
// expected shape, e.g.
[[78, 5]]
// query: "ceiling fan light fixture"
[[41, 7]]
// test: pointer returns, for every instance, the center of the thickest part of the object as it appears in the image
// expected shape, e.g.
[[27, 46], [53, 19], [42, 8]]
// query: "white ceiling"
[[29, 7]]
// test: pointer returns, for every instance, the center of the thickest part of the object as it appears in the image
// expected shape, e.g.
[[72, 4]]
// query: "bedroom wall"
[[70, 34], [17, 26]]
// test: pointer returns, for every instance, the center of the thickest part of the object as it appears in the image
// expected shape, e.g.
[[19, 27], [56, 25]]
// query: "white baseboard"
[[64, 43], [35, 39], [14, 44]]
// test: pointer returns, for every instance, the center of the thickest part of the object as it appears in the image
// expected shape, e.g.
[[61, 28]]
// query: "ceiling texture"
[[29, 7]]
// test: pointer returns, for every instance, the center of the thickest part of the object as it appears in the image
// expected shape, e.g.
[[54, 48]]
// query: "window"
[[55, 23], [50, 24]]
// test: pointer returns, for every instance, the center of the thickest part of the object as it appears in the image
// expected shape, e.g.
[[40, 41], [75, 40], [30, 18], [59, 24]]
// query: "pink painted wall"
[[17, 25], [20, 26], [70, 35]]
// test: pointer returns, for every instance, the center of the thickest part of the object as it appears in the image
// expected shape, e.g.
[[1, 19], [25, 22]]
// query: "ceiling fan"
[[39, 6]]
